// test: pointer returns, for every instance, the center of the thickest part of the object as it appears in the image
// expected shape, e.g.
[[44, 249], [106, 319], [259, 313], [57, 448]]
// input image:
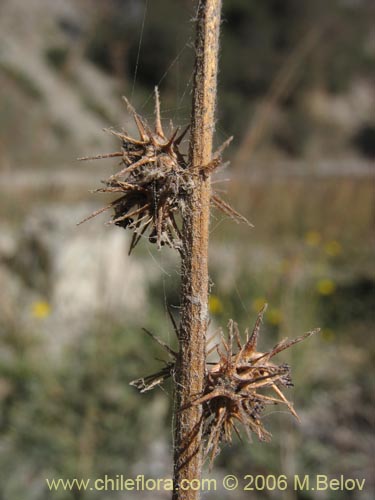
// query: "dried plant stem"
[[190, 366]]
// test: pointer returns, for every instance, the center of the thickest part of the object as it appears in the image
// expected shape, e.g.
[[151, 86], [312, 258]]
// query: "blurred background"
[[296, 90]]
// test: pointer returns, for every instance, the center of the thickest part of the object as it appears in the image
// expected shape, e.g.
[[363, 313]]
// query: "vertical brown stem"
[[194, 288]]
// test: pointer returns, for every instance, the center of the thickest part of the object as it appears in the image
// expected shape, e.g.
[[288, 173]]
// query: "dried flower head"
[[154, 181], [238, 387]]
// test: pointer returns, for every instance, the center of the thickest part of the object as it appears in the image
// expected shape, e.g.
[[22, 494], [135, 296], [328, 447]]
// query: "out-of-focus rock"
[[62, 278]]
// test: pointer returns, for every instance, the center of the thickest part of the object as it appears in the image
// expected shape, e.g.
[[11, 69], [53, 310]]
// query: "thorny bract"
[[155, 181], [237, 388]]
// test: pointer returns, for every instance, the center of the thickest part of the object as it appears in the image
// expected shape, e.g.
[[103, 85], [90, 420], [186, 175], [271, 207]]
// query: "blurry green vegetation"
[[98, 109], [77, 416], [257, 39], [114, 41], [22, 80], [57, 56], [307, 282], [61, 131], [307, 256], [141, 45]]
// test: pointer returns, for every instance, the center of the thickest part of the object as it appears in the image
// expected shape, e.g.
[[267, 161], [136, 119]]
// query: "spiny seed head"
[[154, 182], [238, 387]]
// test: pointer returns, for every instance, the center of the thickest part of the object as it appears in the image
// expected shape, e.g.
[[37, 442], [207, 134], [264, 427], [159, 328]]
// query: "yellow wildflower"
[[274, 316], [328, 334], [258, 303], [215, 305], [40, 309], [326, 287], [313, 238], [332, 248]]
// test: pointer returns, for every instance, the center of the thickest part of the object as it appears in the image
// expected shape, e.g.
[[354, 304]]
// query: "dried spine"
[[237, 388], [155, 182]]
